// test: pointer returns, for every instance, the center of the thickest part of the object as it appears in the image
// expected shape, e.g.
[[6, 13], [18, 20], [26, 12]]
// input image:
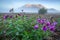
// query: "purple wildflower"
[[38, 20], [41, 21], [52, 27], [11, 16], [48, 23], [44, 28], [54, 23], [36, 27], [44, 19], [5, 16]]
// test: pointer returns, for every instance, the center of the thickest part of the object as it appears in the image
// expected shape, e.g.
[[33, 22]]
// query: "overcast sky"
[[5, 5]]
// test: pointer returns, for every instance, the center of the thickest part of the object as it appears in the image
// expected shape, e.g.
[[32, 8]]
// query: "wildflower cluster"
[[47, 25], [24, 27], [10, 16]]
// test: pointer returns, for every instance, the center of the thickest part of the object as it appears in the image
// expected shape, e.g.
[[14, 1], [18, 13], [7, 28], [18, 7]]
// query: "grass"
[[21, 27]]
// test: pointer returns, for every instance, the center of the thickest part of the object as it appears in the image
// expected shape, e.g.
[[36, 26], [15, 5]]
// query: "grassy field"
[[26, 27]]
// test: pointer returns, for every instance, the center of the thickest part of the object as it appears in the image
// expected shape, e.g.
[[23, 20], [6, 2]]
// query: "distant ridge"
[[36, 5], [33, 8]]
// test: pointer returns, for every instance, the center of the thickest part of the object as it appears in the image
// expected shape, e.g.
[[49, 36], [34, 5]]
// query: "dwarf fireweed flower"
[[44, 28], [36, 26], [54, 23], [44, 19], [52, 29], [52, 26], [38, 20], [11, 16], [41, 21], [5, 16], [48, 23]]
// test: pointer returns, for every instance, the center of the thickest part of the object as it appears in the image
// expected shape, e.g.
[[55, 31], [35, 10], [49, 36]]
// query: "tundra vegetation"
[[22, 27]]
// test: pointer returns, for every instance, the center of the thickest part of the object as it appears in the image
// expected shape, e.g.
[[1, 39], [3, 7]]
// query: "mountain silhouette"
[[33, 8]]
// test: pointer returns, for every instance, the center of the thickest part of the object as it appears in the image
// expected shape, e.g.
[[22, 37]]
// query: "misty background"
[[6, 5]]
